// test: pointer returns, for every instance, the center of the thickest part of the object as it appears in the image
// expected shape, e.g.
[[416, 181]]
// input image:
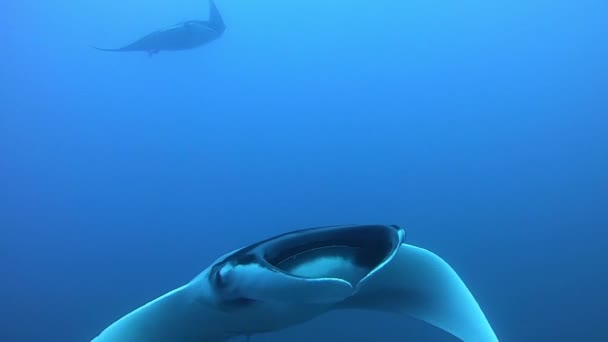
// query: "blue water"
[[480, 126]]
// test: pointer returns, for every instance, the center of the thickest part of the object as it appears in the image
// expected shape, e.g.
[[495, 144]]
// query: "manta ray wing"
[[420, 284]]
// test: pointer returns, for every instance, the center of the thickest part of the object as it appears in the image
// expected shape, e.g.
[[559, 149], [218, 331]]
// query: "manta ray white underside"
[[292, 278]]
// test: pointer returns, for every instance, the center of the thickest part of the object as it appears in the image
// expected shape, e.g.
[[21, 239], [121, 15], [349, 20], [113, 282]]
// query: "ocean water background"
[[480, 126]]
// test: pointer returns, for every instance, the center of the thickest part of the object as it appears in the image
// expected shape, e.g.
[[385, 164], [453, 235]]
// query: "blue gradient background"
[[480, 126]]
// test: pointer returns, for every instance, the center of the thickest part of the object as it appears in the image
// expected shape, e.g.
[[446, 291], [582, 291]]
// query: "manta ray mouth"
[[320, 265], [334, 252]]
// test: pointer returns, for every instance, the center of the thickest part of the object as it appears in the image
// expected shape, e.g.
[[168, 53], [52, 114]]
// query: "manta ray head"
[[314, 266], [201, 28], [195, 24]]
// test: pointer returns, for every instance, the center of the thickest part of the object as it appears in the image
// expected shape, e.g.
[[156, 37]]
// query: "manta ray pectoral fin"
[[142, 324], [183, 315], [420, 284], [104, 49], [215, 18]]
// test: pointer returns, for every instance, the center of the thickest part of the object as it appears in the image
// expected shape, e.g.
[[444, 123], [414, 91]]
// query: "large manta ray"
[[183, 36], [292, 278]]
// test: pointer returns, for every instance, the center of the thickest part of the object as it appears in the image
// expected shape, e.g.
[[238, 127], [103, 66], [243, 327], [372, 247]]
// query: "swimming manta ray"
[[186, 35], [292, 278]]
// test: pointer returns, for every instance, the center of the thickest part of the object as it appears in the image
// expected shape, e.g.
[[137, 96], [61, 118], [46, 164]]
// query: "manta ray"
[[294, 277], [185, 35]]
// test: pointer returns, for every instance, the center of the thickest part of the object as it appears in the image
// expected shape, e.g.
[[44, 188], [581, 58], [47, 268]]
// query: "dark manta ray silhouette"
[[183, 36]]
